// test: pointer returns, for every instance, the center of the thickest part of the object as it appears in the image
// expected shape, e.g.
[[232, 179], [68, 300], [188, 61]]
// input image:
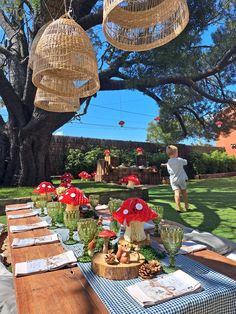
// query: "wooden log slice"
[[116, 271]]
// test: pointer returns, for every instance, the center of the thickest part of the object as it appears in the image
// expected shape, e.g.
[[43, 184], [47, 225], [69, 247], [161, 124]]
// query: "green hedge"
[[215, 162], [78, 160]]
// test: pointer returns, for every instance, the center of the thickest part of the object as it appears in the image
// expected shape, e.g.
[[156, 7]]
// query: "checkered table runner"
[[218, 296]]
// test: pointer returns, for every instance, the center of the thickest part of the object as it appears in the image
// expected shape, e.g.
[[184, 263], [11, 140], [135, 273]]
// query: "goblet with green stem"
[[172, 237], [113, 205], [160, 211], [53, 211], [87, 229], [43, 204], [94, 200], [70, 220]]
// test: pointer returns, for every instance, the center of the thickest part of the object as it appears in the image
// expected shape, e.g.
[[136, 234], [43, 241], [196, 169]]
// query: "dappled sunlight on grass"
[[212, 205]]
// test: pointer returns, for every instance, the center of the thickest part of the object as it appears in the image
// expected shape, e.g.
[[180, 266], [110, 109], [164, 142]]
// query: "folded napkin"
[[22, 228], [47, 264], [17, 207], [18, 243], [17, 216], [214, 243]]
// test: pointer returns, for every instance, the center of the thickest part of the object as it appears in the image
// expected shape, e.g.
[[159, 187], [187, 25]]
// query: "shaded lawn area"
[[212, 205], [87, 187]]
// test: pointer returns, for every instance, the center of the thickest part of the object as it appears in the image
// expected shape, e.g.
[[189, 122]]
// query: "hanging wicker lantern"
[[139, 25], [54, 103], [34, 44], [64, 53]]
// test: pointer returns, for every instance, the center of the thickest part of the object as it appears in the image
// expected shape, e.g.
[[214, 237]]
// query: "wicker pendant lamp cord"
[[70, 10]]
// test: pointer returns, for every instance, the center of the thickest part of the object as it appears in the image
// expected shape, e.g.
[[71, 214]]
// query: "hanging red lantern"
[[121, 123], [157, 118], [219, 124]]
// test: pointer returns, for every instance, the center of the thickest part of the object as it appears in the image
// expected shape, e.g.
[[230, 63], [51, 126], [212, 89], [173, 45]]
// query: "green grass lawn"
[[87, 187], [212, 205]]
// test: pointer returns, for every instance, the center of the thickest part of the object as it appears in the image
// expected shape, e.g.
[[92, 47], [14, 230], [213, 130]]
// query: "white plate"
[[101, 207]]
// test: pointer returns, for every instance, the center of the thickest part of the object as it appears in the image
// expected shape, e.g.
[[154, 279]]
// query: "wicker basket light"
[[65, 57], [54, 103], [139, 25], [34, 44]]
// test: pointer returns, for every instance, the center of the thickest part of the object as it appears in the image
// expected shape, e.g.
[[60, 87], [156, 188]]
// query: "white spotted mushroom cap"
[[134, 209], [73, 196], [44, 187]]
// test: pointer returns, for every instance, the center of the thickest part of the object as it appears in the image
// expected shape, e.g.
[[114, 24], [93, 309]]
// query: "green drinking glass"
[[87, 229], [53, 212], [43, 205], [172, 237], [70, 221], [94, 200], [160, 211]]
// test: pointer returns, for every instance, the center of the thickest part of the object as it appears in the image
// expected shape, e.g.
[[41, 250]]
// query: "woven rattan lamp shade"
[[139, 25], [54, 103], [64, 53], [34, 44]]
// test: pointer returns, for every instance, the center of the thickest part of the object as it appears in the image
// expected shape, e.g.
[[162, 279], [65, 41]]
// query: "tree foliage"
[[190, 81]]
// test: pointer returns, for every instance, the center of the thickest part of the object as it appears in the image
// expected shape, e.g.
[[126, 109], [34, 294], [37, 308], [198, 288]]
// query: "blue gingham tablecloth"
[[218, 296]]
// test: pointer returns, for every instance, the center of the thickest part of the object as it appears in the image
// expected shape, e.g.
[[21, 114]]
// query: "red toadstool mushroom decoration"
[[67, 177], [219, 124], [132, 181], [73, 198], [122, 123], [84, 175], [107, 152], [45, 189], [66, 185], [133, 213], [139, 150], [106, 234], [123, 181], [157, 118]]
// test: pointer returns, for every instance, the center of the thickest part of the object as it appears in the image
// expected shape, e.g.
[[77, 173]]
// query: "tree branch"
[[82, 7], [6, 25], [91, 20], [109, 84], [147, 92], [5, 51], [220, 65], [201, 121], [181, 122], [11, 100]]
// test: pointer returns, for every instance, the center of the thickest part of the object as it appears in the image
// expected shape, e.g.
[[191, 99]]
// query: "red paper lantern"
[[122, 123], [139, 150], [219, 124], [157, 118]]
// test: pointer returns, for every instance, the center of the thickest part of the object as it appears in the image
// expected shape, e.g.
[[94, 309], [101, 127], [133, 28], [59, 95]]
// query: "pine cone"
[[110, 258], [145, 271], [155, 266]]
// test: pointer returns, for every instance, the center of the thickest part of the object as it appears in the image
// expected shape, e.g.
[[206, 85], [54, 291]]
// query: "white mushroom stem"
[[131, 184], [72, 208], [135, 232]]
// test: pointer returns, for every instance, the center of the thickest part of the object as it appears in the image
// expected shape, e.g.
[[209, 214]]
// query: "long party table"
[[72, 290]]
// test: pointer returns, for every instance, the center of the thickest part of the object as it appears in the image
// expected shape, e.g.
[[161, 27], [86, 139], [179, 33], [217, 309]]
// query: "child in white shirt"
[[178, 176]]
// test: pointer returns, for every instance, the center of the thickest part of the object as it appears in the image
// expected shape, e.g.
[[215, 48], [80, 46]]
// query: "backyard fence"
[[60, 146]]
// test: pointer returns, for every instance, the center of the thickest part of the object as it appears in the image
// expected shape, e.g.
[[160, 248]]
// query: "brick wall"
[[226, 141]]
